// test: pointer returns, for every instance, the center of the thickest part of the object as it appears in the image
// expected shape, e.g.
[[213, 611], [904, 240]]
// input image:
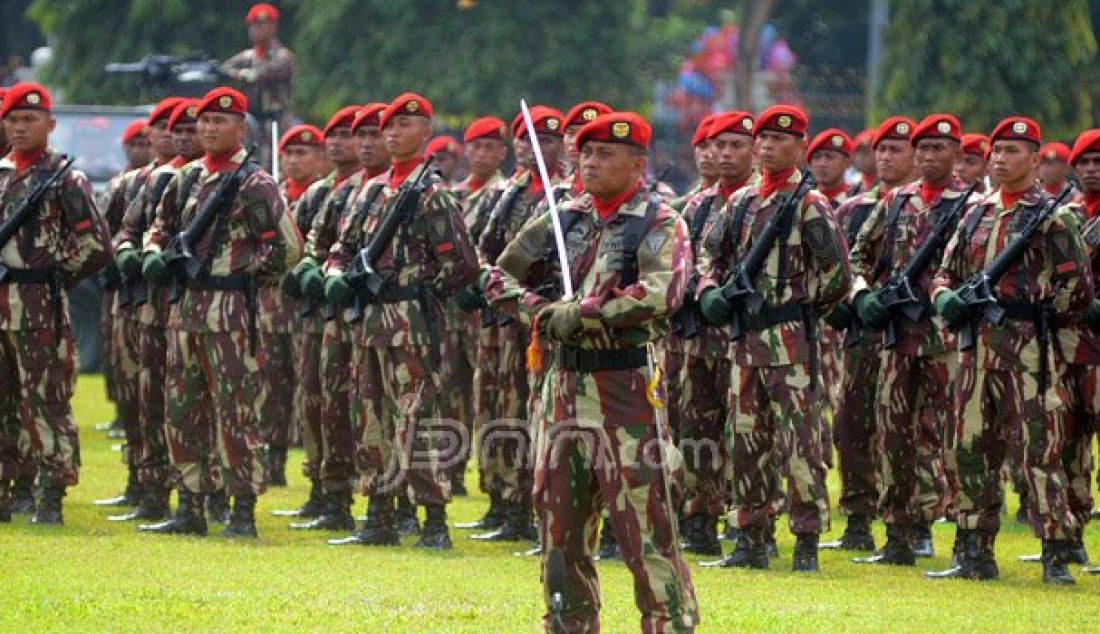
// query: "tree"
[[754, 15], [984, 61]]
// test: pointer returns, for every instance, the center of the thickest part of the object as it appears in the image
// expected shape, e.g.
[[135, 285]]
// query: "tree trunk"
[[754, 15]]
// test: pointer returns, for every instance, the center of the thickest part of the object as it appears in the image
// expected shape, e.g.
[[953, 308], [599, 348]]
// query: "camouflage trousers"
[[338, 428], [127, 333], [503, 420], [275, 402], [915, 411], [1082, 384], [404, 446], [673, 365], [212, 386], [37, 378], [854, 429], [775, 429], [831, 356], [603, 448], [108, 345], [154, 465], [308, 399], [456, 380], [706, 383], [990, 406]]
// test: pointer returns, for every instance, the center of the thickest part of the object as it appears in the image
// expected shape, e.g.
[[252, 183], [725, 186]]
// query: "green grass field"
[[93, 575]]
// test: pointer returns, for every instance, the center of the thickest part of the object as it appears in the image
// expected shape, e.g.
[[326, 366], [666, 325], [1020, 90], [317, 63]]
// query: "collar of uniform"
[[791, 182], [633, 203], [1029, 198], [42, 160]]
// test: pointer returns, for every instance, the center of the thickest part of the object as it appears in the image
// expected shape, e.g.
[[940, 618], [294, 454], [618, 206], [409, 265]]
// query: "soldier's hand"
[[129, 262], [952, 308], [469, 299], [872, 312], [1092, 315], [337, 290], [562, 321], [311, 280], [154, 269], [840, 317], [290, 286], [717, 310]]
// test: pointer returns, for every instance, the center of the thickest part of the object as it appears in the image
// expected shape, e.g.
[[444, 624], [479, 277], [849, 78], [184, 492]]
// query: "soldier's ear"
[[53, 124]]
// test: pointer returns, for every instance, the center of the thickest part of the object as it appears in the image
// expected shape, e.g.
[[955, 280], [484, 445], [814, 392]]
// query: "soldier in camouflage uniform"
[[974, 163], [630, 260], [65, 241], [265, 71], [212, 369], [917, 375], [705, 375], [1005, 387], [776, 386], [405, 449], [446, 152], [705, 165], [579, 115]]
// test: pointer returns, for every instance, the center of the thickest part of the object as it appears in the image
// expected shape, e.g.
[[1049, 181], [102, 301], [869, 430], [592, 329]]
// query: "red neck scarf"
[[725, 191], [535, 183], [219, 162], [260, 51], [774, 182], [24, 160], [578, 186], [178, 162], [1009, 199], [474, 185], [832, 193], [401, 171], [1092, 204], [868, 182], [930, 192], [294, 189], [1053, 188], [605, 208]]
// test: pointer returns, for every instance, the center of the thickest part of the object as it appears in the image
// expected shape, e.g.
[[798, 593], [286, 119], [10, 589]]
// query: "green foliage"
[[984, 61]]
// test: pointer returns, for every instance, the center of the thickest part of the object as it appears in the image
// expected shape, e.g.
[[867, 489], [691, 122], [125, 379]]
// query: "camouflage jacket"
[[613, 317], [256, 237], [269, 93], [1077, 343], [471, 202], [66, 235], [882, 248], [815, 273], [1052, 271], [700, 213], [120, 190], [509, 208], [432, 252]]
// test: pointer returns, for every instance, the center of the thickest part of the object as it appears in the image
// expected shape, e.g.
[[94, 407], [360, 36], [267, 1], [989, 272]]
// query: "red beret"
[[701, 130], [225, 100], [443, 144], [863, 138], [485, 128], [782, 118], [163, 110], [26, 96], [896, 128], [1055, 152], [618, 127], [546, 120], [301, 135], [343, 118], [407, 103], [937, 126], [586, 111], [132, 131], [831, 139], [369, 115], [262, 11], [186, 111], [736, 122], [976, 144], [1017, 129], [1088, 141]]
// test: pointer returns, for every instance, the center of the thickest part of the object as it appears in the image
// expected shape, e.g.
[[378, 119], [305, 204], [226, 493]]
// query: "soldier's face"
[[220, 132], [552, 148], [186, 138], [828, 167], [406, 135], [523, 151], [447, 164], [161, 140], [936, 159], [779, 150], [1088, 169], [1053, 170], [863, 159], [137, 151], [301, 162], [608, 169], [1013, 163], [484, 157], [372, 149], [894, 160], [28, 130], [733, 155], [572, 154], [341, 146], [262, 31], [705, 163]]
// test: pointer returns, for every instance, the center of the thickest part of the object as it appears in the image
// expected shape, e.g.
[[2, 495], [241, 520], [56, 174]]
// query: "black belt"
[[573, 359], [220, 283], [26, 276], [394, 295], [769, 316], [1023, 311]]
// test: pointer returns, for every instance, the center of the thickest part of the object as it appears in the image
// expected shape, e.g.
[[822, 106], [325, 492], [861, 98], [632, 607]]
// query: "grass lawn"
[[93, 575]]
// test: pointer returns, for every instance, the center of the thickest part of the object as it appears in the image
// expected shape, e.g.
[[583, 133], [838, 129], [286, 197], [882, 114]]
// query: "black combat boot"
[[217, 507], [49, 506], [242, 521], [458, 481], [770, 545], [517, 525], [976, 558], [131, 496], [22, 494], [609, 545], [493, 518], [804, 558], [405, 521], [857, 536], [153, 506], [312, 507], [749, 551], [335, 517], [731, 533], [435, 535], [897, 551], [187, 520], [701, 536], [276, 466], [921, 539], [1021, 513], [377, 529], [1055, 559]]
